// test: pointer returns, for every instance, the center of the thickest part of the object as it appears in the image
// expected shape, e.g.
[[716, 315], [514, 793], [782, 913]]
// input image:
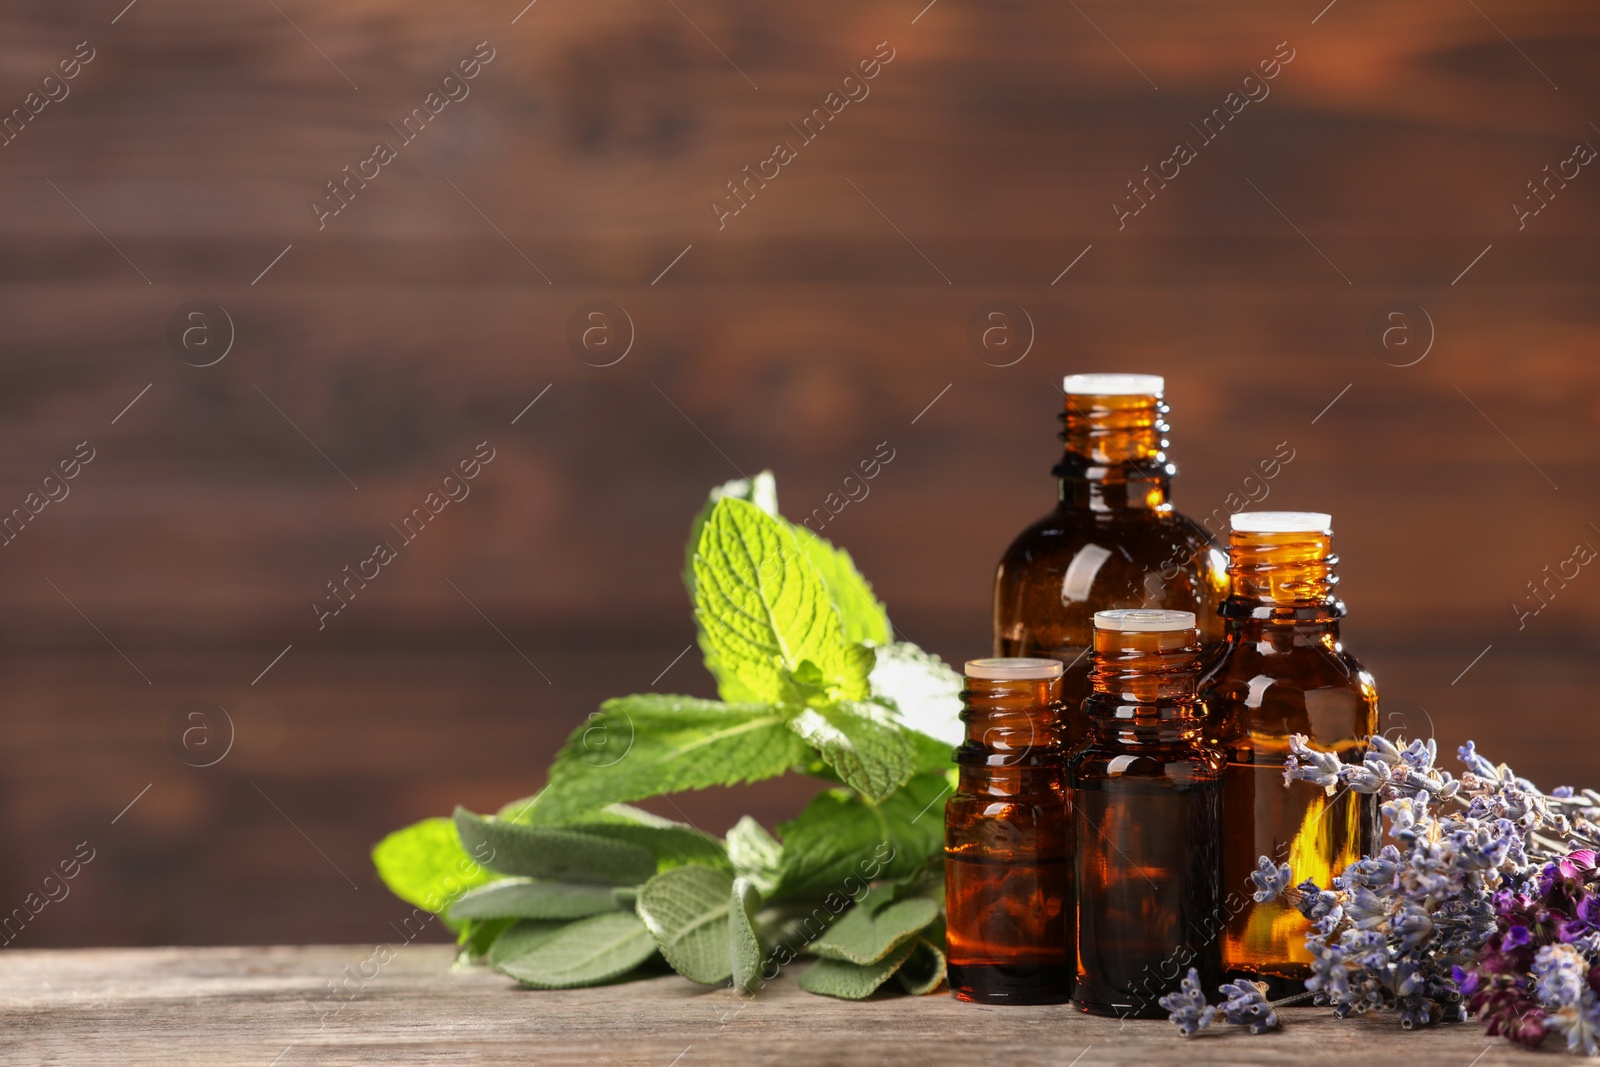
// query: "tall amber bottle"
[[1143, 796], [1007, 880], [1284, 671], [1113, 540]]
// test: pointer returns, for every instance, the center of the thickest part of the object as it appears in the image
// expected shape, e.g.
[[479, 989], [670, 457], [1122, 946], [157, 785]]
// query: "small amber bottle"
[[1007, 876], [1113, 540], [1284, 671], [1143, 795]]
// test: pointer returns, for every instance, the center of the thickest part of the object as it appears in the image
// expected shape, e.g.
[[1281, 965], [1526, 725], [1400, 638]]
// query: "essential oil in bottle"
[[1007, 877], [1143, 795], [1112, 541], [1284, 671]]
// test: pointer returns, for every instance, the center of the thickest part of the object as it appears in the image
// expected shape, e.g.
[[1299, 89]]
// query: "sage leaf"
[[527, 898], [743, 945], [686, 910], [765, 609], [586, 952], [755, 854], [864, 744], [924, 969], [658, 744], [841, 842], [852, 981], [545, 852], [860, 936], [521, 937], [672, 844]]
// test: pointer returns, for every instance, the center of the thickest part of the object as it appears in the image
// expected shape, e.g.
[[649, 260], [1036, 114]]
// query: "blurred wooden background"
[[822, 320]]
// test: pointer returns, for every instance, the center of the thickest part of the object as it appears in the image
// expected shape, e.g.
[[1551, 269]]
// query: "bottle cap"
[[1143, 620], [1013, 669], [1282, 522], [1114, 384]]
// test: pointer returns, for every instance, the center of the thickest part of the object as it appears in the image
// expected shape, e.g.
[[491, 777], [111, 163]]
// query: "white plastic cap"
[[1114, 384], [1013, 669], [1143, 620], [1282, 522]]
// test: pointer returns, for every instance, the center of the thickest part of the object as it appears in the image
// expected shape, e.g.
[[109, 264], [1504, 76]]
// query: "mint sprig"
[[574, 887]]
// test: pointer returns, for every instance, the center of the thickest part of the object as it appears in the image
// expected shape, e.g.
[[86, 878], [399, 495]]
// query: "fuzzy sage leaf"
[[543, 852], [585, 952], [528, 898], [686, 911]]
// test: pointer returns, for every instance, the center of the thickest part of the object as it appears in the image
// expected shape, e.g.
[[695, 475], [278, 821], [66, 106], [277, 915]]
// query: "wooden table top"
[[272, 1006]]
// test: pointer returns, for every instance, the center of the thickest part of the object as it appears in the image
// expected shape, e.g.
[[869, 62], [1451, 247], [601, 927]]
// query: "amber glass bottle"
[[1007, 878], [1112, 541], [1143, 796], [1284, 672]]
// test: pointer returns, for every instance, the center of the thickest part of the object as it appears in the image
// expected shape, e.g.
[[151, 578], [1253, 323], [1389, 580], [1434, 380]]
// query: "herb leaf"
[[871, 752], [686, 910], [755, 854], [852, 981], [546, 852], [863, 937], [924, 970], [743, 945], [841, 838], [862, 616], [525, 898], [425, 864], [585, 952], [675, 743], [765, 609], [925, 690], [522, 937], [762, 490]]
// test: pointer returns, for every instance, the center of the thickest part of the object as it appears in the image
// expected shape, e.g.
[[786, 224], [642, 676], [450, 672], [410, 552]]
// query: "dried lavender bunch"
[[1429, 921]]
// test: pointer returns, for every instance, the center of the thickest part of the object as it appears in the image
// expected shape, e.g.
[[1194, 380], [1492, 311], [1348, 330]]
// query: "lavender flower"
[[1187, 1007], [1247, 1006], [1270, 881]]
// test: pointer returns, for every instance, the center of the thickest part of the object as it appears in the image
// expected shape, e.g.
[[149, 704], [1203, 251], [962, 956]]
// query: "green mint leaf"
[[863, 743], [582, 953], [852, 981], [522, 936], [755, 854], [762, 490], [764, 608], [862, 616], [862, 936], [686, 910], [425, 864], [743, 945], [923, 971], [925, 690], [526, 898], [546, 852], [841, 842], [674, 743]]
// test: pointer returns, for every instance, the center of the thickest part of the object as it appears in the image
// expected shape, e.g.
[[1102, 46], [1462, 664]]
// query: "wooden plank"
[[183, 1006]]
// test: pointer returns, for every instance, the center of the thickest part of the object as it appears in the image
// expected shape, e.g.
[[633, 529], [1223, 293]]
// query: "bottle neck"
[[1282, 579], [1144, 685], [1114, 457], [1006, 717]]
